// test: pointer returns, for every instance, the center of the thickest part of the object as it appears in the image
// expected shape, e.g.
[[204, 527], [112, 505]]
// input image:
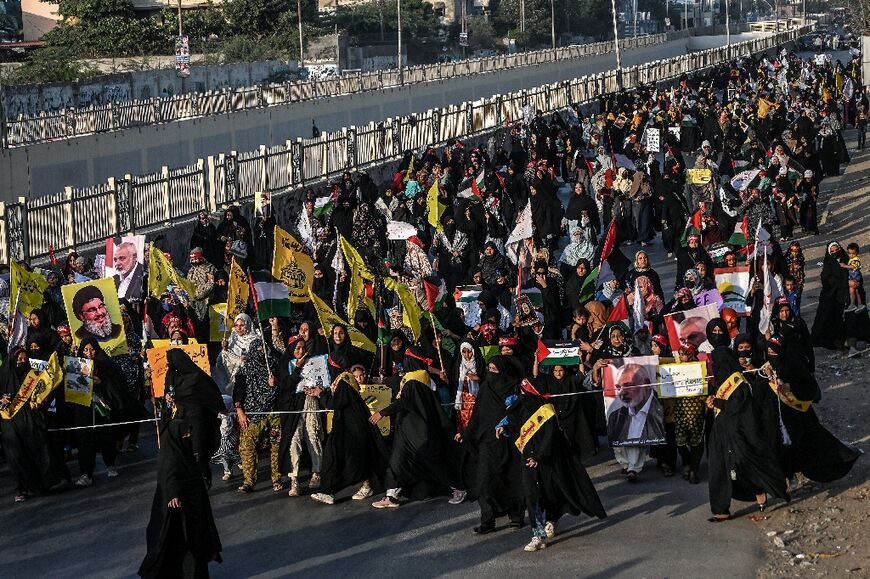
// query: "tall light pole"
[[553, 22], [299, 18], [522, 15], [727, 29], [179, 18], [616, 47], [399, 55]]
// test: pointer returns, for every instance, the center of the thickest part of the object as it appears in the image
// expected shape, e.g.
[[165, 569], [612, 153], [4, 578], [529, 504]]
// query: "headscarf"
[[718, 340], [580, 247], [467, 367], [698, 285], [608, 350], [652, 302], [597, 316], [191, 385], [238, 345]]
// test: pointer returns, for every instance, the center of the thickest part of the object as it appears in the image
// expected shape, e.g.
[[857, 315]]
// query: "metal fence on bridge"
[[77, 218]]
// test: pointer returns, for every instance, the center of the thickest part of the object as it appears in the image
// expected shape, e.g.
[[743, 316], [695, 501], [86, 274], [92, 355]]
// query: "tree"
[[257, 18], [51, 64]]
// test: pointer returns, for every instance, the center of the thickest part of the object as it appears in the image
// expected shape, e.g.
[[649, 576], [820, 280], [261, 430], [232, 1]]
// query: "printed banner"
[[26, 289], [182, 55], [315, 373], [690, 326], [677, 380], [263, 204], [733, 285], [698, 176], [653, 140], [635, 416], [377, 397], [159, 366], [217, 320], [93, 310], [125, 263], [709, 297], [79, 384], [238, 291]]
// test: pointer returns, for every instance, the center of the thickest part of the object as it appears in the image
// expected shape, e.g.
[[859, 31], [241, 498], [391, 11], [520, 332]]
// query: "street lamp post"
[[727, 29], [299, 18], [553, 23], [616, 47], [399, 55], [179, 18]]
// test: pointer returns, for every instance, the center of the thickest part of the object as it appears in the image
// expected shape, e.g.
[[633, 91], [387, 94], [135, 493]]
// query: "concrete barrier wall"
[[44, 168]]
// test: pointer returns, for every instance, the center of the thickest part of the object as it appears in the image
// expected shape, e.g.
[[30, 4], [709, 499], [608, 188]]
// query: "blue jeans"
[[536, 516]]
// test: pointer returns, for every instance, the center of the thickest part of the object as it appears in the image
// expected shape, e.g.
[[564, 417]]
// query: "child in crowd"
[[856, 280]]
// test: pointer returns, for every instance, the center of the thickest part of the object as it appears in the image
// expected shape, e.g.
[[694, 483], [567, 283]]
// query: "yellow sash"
[[788, 399], [533, 424], [23, 395], [727, 388]]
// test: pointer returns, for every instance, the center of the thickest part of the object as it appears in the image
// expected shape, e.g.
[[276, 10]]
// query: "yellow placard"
[[377, 397], [26, 288], [167, 343], [217, 319], [159, 366], [238, 291], [92, 309], [698, 176]]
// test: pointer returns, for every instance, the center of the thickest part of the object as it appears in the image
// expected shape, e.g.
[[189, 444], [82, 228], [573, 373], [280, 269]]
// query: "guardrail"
[[77, 218], [71, 122]]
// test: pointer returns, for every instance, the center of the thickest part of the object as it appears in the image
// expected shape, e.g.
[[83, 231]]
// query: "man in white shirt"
[[128, 271]]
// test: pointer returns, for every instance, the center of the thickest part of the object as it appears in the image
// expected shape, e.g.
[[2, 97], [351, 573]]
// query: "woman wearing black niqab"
[[182, 536], [828, 326], [571, 409], [25, 441], [742, 462], [198, 400], [491, 467]]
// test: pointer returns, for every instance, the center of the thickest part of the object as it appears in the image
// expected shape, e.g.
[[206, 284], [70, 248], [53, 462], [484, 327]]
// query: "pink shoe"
[[385, 503]]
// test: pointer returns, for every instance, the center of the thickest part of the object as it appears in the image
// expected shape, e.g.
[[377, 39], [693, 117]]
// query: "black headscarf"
[[192, 386], [44, 336]]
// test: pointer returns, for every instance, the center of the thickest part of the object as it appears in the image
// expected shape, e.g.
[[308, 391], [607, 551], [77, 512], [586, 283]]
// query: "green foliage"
[[481, 34], [257, 18], [418, 19], [51, 64]]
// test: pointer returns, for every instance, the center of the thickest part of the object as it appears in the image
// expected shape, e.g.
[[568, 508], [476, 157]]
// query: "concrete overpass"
[[44, 168]]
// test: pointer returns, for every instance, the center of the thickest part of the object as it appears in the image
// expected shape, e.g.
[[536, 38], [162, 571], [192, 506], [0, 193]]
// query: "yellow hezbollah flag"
[[328, 319], [292, 265], [26, 289], [35, 388], [534, 424], [161, 273], [411, 312], [238, 291], [698, 176], [359, 273], [217, 318], [436, 208]]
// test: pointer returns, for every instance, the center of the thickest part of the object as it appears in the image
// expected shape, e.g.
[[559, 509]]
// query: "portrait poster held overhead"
[[733, 285], [690, 327], [677, 380], [93, 309], [635, 416], [79, 383], [159, 366], [125, 263], [377, 397]]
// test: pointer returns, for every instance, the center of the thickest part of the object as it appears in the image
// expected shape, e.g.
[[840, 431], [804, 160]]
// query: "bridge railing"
[[77, 121], [76, 218]]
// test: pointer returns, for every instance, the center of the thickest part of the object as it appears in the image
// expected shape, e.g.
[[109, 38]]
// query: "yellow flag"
[[292, 265], [328, 319], [26, 289], [238, 291], [49, 379], [764, 107], [359, 274], [161, 273], [436, 208], [411, 311], [217, 314]]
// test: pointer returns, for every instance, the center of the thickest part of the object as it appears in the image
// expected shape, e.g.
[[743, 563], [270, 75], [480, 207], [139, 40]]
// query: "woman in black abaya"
[[182, 536], [491, 466], [808, 447], [25, 441], [828, 328], [571, 410], [742, 461], [198, 400]]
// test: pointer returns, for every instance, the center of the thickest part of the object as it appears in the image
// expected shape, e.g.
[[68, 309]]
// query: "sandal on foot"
[[278, 487], [245, 489], [719, 518]]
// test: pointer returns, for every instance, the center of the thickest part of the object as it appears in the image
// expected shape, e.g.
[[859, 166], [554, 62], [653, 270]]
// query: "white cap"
[[783, 171], [706, 144]]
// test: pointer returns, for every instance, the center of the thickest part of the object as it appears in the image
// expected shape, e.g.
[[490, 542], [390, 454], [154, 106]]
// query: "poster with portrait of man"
[[93, 310], [125, 263], [635, 416], [690, 327]]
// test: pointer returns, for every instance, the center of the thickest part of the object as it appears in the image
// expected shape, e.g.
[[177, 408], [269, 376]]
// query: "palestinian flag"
[[436, 291], [383, 333], [553, 352], [535, 296], [740, 236], [272, 299], [693, 227], [473, 188], [619, 313], [323, 205]]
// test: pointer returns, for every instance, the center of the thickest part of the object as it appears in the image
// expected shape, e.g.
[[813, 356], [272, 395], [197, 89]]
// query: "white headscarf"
[[466, 367]]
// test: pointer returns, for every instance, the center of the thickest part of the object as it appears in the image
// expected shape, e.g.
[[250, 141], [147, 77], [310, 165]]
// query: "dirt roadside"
[[823, 532]]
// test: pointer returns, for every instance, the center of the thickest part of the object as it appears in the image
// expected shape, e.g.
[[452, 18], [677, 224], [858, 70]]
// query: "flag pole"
[[259, 321], [437, 340]]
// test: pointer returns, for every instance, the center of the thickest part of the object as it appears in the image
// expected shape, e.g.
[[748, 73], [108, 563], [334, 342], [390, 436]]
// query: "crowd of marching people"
[[450, 288]]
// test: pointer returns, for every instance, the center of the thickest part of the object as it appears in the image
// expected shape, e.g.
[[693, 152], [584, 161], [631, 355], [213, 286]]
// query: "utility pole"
[[522, 15], [727, 29], [399, 55], [179, 18], [381, 17], [299, 18], [463, 25], [616, 47], [553, 22]]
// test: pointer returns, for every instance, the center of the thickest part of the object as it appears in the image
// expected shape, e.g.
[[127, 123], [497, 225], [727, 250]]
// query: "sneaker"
[[385, 503], [20, 498], [84, 481], [323, 498], [860, 308], [458, 497], [314, 483], [850, 308], [853, 353], [294, 488], [536, 544], [550, 529], [227, 476], [670, 254], [631, 476], [363, 493], [112, 472]]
